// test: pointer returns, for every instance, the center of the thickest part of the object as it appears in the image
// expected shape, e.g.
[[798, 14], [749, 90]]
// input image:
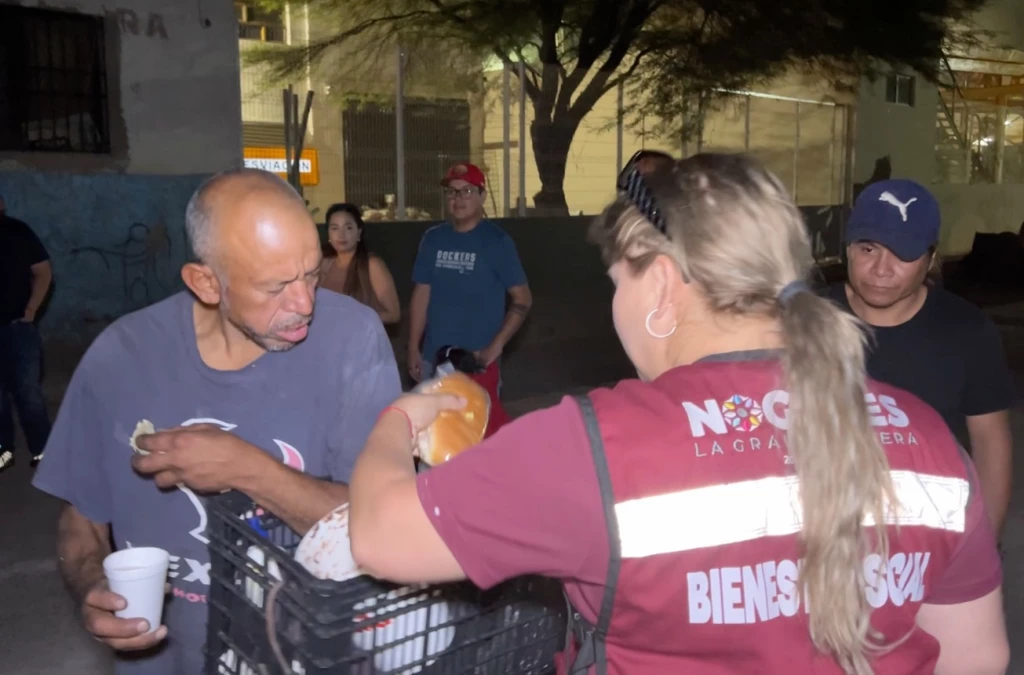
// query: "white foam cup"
[[138, 575]]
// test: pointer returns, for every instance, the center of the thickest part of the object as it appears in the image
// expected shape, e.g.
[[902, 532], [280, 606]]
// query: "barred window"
[[53, 82]]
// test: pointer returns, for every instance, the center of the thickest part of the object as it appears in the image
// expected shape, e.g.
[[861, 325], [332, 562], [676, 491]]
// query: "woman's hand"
[[423, 409]]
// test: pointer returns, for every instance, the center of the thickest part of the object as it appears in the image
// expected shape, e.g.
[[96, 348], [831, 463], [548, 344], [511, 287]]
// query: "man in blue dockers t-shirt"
[[248, 389], [464, 271]]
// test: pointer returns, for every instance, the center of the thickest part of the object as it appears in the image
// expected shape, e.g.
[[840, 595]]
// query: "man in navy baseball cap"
[[928, 341], [901, 215]]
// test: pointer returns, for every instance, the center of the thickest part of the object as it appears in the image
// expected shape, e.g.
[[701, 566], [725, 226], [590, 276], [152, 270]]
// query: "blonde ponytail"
[[843, 472]]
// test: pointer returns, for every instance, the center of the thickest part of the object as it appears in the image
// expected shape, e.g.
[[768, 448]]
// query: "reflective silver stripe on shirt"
[[729, 513]]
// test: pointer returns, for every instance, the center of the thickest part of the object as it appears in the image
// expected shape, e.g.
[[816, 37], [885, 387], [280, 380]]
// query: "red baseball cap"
[[470, 173]]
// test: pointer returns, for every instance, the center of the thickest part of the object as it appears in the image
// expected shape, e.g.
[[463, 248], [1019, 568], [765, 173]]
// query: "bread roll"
[[455, 430], [144, 427]]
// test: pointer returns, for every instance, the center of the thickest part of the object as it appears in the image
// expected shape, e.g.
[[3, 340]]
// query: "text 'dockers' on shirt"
[[768, 590], [461, 261]]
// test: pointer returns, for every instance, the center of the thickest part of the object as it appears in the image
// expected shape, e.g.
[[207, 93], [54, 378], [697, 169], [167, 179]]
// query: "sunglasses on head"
[[632, 185], [657, 156]]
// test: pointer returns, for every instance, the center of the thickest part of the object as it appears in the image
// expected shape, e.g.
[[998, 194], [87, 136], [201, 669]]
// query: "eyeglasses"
[[452, 193], [632, 185]]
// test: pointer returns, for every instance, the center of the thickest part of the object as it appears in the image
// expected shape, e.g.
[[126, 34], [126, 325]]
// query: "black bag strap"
[[591, 638]]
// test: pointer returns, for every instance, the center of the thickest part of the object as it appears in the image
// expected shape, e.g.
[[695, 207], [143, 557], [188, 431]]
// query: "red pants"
[[490, 380]]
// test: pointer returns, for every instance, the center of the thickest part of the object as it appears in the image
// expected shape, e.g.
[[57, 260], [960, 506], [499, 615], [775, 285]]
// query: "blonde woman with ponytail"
[[751, 504]]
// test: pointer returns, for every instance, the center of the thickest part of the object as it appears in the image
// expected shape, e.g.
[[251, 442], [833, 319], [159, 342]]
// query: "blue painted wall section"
[[117, 242]]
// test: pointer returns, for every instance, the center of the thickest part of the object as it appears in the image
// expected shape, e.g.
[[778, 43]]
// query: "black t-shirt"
[[949, 355], [20, 249]]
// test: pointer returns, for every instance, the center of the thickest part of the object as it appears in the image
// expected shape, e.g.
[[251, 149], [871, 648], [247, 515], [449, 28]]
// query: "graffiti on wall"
[[117, 242], [129, 21], [132, 24], [143, 260]]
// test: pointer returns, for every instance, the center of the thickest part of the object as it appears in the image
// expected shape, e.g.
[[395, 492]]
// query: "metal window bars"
[[53, 82]]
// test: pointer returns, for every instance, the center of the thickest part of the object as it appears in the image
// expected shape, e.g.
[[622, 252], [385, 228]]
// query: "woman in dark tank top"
[[350, 269]]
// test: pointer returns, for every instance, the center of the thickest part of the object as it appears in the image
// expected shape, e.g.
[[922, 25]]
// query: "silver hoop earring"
[[650, 331]]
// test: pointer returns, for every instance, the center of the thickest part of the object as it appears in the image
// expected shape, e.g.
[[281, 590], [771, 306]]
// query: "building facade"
[[263, 115], [963, 135], [350, 151], [110, 116], [455, 111]]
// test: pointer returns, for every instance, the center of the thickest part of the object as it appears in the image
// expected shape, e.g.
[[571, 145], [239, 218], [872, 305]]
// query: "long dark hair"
[[357, 278]]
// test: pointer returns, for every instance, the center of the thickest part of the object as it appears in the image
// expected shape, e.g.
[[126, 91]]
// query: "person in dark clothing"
[[928, 341], [25, 276]]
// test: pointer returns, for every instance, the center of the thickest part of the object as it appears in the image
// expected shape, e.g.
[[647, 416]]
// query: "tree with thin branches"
[[673, 57]]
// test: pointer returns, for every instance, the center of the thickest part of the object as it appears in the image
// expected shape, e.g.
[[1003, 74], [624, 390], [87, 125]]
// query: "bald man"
[[250, 390]]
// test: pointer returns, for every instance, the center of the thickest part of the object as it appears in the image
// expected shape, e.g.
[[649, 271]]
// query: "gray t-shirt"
[[312, 406]]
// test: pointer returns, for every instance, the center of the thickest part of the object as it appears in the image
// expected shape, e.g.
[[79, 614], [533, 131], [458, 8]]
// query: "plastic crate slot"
[[361, 626]]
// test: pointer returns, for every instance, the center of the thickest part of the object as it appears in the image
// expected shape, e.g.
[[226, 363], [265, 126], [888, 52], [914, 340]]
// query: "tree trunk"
[[551, 143]]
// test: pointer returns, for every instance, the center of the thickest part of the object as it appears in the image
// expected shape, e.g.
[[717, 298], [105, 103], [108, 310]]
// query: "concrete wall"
[[174, 89], [116, 243], [569, 281], [569, 331], [906, 134], [571, 288], [114, 224], [967, 209]]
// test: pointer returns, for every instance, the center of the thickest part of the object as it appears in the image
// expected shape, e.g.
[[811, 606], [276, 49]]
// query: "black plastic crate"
[[361, 626]]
